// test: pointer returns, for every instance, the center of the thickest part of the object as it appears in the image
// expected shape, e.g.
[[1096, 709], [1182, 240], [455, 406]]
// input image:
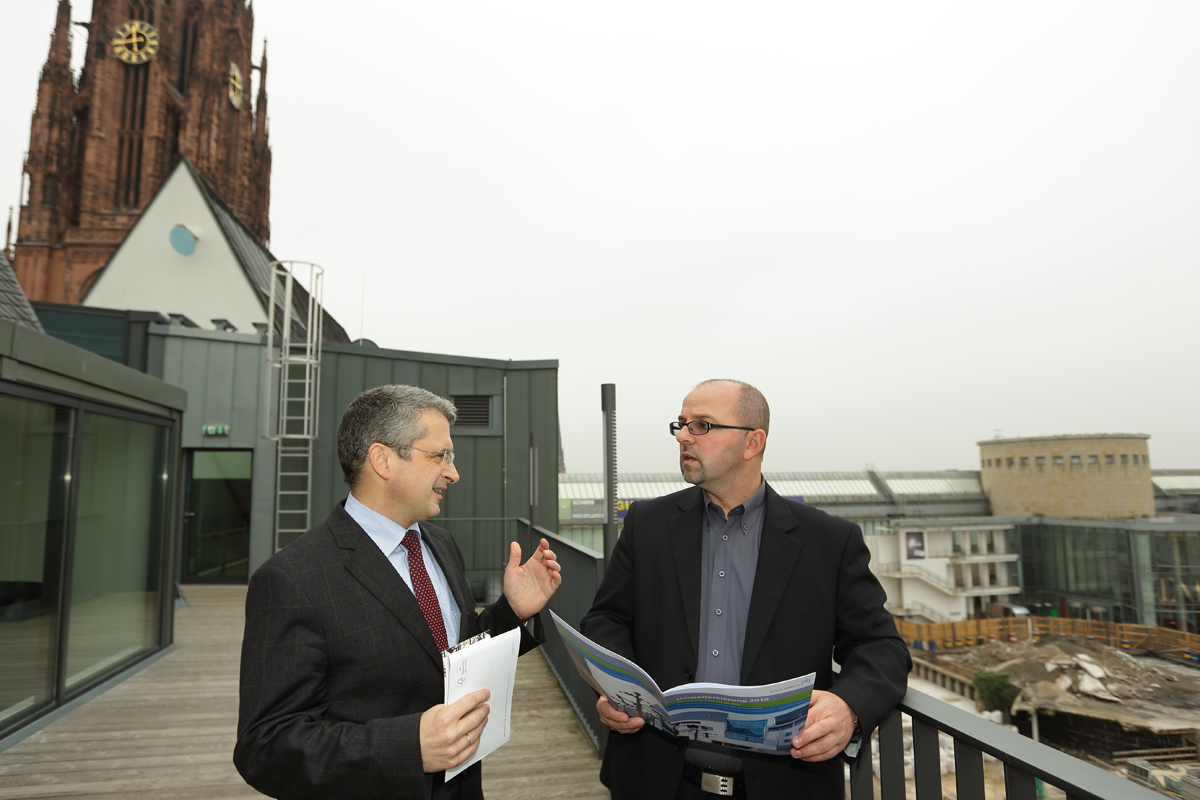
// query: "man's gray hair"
[[751, 409], [390, 415]]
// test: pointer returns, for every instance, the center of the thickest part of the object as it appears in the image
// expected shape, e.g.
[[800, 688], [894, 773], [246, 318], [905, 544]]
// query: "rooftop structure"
[[1087, 476]]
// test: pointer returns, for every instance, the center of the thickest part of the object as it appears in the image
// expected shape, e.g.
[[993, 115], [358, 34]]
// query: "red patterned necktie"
[[423, 589]]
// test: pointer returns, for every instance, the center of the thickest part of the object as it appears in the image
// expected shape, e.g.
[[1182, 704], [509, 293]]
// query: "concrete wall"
[[1104, 476]]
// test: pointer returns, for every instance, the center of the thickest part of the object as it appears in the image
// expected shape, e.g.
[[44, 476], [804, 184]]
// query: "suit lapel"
[[685, 530], [777, 554], [370, 567]]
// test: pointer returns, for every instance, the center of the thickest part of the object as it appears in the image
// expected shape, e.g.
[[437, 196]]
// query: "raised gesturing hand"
[[528, 586]]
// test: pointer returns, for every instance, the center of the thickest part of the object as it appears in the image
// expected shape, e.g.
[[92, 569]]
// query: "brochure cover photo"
[[764, 719]]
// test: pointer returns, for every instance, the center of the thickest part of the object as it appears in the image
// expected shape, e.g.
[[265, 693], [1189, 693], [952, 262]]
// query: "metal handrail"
[[917, 607], [1025, 761], [962, 555], [910, 570], [584, 568]]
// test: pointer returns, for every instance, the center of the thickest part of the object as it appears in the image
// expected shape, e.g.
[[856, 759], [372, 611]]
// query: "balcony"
[[908, 569], [961, 556], [1024, 761], [915, 607]]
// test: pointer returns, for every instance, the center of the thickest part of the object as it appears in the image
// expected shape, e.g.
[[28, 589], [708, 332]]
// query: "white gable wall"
[[147, 274]]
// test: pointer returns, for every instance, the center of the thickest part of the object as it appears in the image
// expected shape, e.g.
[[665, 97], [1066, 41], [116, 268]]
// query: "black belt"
[[716, 783]]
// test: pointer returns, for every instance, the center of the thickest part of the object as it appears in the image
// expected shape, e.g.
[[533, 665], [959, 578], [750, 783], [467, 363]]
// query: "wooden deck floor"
[[167, 733]]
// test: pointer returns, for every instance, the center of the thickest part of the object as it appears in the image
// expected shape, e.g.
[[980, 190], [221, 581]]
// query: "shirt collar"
[[751, 505], [385, 533]]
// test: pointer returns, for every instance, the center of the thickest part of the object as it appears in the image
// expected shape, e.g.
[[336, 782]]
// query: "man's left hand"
[[530, 585], [827, 731]]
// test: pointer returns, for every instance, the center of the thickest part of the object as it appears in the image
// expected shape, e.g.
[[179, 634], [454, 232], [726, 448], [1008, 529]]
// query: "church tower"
[[161, 79]]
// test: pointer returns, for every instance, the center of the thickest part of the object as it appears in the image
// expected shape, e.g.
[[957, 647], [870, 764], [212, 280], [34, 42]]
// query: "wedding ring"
[[469, 741]]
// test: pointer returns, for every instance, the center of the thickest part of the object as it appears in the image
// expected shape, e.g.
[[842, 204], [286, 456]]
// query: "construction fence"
[[1135, 638]]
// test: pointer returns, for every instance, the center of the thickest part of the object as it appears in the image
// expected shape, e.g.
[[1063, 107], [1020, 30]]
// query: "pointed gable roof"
[[14, 306], [254, 259]]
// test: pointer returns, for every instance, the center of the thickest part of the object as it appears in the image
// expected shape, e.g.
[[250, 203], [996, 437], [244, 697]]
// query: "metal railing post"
[[533, 479], [608, 406]]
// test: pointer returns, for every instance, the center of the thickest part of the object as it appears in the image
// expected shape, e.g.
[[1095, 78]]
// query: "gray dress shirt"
[[729, 559]]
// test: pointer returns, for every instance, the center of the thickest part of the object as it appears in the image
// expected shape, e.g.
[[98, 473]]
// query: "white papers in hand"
[[487, 664]]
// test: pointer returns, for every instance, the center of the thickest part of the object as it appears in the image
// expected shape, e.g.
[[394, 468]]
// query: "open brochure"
[[764, 719], [484, 663]]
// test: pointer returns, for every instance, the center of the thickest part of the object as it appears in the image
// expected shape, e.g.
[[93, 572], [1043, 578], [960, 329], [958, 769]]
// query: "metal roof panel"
[[1177, 483], [909, 487]]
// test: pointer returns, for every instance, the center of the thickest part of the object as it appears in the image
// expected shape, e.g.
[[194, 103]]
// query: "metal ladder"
[[297, 397]]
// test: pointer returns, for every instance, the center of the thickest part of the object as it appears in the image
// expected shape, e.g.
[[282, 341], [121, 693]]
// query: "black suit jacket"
[[814, 597], [338, 664]]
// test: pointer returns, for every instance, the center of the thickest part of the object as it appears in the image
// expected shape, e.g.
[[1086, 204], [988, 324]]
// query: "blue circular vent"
[[183, 241]]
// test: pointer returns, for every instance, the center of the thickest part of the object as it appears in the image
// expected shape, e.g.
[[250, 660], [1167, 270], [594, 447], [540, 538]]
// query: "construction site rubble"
[[1055, 672]]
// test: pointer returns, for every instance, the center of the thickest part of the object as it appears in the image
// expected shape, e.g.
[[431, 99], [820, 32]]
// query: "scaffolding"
[[293, 368]]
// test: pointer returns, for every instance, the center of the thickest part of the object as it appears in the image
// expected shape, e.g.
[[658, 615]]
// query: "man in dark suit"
[[341, 681], [728, 582]]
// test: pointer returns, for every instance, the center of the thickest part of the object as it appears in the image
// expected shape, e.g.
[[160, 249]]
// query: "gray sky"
[[910, 224]]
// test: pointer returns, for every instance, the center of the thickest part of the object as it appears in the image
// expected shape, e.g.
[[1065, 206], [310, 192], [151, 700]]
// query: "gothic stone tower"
[[161, 79]]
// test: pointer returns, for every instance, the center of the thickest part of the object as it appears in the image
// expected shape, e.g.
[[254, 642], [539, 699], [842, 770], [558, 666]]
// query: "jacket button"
[[687, 673]]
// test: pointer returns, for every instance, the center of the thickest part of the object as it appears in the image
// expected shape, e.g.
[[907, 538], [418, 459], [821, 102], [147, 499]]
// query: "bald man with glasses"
[[727, 582]]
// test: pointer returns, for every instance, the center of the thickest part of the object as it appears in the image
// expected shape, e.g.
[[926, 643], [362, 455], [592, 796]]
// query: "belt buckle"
[[716, 784]]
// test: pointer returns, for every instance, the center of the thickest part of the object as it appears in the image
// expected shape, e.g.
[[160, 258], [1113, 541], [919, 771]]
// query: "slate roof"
[[14, 305], [256, 261]]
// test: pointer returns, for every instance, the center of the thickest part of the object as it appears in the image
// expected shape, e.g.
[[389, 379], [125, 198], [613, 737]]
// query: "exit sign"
[[215, 430]]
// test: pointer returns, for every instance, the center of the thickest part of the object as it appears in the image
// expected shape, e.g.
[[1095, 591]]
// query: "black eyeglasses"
[[699, 427]]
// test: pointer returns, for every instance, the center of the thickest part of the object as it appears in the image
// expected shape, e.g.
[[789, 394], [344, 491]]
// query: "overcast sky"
[[912, 225]]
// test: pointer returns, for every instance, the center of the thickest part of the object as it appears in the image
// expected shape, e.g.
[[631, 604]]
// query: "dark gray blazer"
[[338, 664], [814, 598]]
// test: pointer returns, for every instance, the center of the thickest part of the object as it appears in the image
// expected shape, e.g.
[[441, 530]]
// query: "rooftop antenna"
[[996, 434]]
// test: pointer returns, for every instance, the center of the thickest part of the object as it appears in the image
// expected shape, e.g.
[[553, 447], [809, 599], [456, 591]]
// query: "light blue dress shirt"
[[388, 536]]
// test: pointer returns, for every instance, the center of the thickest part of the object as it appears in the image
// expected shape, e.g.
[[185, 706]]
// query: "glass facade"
[[117, 546], [217, 516], [102, 335], [1175, 575], [1079, 572], [33, 512], [83, 527]]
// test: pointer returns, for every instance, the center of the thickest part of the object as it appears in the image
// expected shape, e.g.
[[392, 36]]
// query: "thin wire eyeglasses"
[[447, 455], [699, 427]]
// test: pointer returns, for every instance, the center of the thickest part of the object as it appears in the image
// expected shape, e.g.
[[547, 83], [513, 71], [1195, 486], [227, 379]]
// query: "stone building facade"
[[1089, 476], [161, 79]]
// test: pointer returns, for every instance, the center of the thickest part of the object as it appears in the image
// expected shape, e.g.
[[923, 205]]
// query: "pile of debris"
[[1055, 670]]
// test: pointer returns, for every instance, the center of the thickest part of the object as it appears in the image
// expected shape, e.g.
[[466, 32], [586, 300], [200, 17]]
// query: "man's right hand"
[[450, 734], [617, 720]]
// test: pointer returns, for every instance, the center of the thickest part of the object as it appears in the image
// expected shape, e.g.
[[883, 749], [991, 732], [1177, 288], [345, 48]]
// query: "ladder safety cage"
[[294, 367]]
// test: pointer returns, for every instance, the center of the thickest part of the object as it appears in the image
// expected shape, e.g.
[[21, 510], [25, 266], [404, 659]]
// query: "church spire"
[[260, 103], [60, 41], [89, 172]]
